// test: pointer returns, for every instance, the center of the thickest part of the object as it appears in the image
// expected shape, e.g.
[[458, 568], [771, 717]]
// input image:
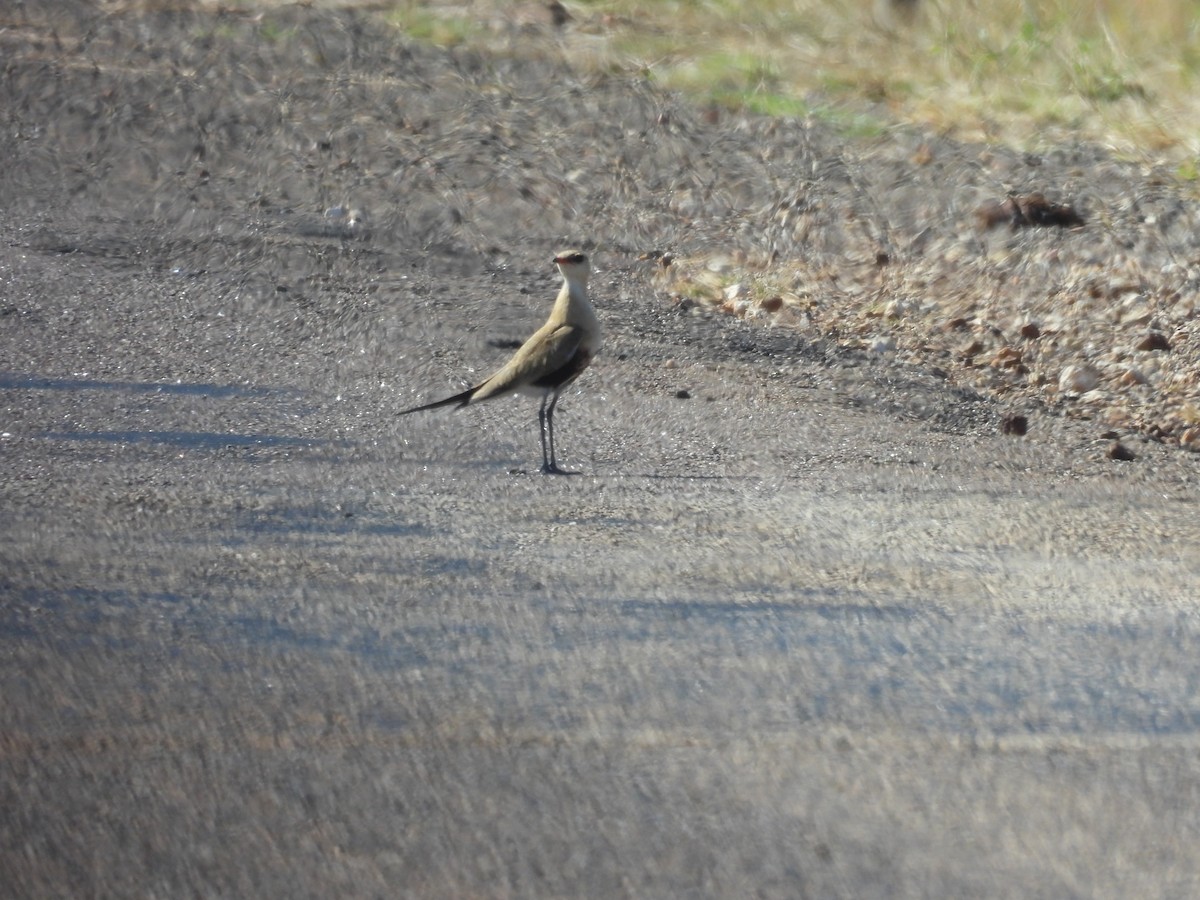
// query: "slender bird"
[[551, 359]]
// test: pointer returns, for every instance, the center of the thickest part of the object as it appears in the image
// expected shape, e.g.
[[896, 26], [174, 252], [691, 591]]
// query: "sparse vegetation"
[[1023, 72], [425, 24]]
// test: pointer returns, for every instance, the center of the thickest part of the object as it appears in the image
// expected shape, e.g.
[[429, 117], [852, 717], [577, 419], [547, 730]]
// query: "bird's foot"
[[553, 469]]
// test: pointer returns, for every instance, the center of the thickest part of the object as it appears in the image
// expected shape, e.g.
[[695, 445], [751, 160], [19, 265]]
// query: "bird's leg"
[[550, 429], [546, 418], [547, 465]]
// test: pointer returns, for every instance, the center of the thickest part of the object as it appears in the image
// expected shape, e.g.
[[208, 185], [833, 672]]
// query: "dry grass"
[[1024, 72]]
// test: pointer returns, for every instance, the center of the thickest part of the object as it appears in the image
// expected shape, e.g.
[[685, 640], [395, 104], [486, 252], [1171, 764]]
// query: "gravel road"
[[805, 624]]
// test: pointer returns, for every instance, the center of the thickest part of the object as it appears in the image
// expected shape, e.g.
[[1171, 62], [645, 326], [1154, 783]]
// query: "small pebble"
[[1154, 341], [1014, 425], [1077, 380], [1119, 451], [1134, 376], [1007, 358]]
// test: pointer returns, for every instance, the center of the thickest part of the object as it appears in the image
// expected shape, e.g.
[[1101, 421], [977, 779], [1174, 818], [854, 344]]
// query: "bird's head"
[[573, 264]]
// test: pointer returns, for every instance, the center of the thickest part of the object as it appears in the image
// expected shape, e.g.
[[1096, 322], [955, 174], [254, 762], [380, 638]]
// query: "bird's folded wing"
[[554, 350], [544, 354]]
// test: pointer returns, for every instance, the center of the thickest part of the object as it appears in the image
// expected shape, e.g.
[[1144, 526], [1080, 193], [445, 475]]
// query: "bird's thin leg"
[[550, 430], [541, 431], [546, 420]]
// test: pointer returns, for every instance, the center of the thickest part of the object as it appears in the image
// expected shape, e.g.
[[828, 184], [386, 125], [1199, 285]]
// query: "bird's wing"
[[550, 350]]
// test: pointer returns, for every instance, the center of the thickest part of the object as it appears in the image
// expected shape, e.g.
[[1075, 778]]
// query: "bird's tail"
[[459, 400]]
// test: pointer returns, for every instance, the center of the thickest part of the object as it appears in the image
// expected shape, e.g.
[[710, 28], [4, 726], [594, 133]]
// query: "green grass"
[[272, 33], [428, 25]]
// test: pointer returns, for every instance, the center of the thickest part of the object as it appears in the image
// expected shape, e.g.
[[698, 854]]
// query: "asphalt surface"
[[804, 624]]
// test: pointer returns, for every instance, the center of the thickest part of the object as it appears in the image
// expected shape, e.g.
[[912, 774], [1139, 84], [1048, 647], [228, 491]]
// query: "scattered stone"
[[1133, 376], [1027, 321], [1120, 452], [534, 17], [558, 13], [1040, 211], [1154, 341], [972, 349], [1030, 210], [1077, 380], [1007, 358], [1134, 309], [681, 394], [663, 257], [1014, 424]]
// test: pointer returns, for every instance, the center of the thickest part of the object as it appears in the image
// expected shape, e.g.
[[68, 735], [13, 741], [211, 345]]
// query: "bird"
[[553, 356]]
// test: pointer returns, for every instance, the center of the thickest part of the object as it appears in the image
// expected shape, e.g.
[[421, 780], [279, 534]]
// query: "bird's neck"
[[572, 298], [574, 308]]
